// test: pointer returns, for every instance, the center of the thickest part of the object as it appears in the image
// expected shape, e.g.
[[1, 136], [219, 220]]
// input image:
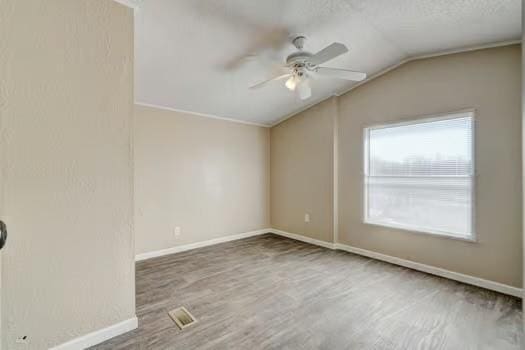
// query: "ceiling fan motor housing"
[[299, 57]]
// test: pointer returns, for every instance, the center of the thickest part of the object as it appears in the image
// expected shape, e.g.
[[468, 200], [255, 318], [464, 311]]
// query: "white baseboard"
[[456, 276], [99, 336], [185, 247], [302, 238]]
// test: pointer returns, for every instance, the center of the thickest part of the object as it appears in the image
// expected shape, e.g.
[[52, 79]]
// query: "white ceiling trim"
[[134, 4], [200, 114], [396, 65]]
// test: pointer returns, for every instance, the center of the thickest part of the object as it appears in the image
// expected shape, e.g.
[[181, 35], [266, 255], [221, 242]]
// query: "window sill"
[[470, 239]]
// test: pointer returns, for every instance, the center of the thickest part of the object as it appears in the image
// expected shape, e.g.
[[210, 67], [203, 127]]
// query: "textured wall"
[[523, 151], [487, 80], [302, 172], [66, 108], [302, 160], [210, 177]]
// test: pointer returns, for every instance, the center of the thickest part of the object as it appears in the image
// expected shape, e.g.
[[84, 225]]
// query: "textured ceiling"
[[198, 55]]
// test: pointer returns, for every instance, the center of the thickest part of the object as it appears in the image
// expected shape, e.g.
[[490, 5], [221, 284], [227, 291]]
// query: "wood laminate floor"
[[270, 292]]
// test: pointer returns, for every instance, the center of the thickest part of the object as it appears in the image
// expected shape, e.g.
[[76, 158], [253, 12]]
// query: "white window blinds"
[[419, 175]]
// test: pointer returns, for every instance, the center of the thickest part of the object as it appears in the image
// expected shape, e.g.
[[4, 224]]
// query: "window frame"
[[470, 112]]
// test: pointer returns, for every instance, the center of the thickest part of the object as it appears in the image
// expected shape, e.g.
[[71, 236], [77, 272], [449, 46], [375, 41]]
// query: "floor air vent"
[[182, 317]]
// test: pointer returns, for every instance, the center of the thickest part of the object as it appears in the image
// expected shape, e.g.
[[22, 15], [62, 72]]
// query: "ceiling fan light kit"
[[303, 67], [303, 90], [291, 83]]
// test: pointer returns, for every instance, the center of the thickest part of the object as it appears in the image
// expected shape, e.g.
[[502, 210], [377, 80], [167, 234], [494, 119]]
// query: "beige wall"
[[487, 80], [302, 171], [523, 152], [209, 177], [65, 112]]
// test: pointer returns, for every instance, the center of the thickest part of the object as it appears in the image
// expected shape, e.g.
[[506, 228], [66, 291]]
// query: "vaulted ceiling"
[[202, 55]]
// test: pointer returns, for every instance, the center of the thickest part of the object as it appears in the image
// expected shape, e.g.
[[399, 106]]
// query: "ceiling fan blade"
[[340, 73], [328, 53], [304, 90], [263, 83], [264, 46]]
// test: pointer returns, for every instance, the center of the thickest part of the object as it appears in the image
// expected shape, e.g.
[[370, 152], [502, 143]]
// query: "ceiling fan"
[[302, 66]]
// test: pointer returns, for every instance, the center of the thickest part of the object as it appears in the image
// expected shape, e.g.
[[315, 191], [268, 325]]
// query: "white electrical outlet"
[[176, 231], [22, 340], [306, 217]]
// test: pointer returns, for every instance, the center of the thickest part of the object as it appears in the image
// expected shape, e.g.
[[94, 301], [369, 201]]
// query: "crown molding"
[[212, 116], [397, 65], [134, 4]]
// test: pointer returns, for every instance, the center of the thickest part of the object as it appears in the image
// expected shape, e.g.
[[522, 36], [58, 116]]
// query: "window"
[[419, 175]]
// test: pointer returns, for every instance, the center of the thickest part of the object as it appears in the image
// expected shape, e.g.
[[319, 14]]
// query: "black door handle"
[[3, 234]]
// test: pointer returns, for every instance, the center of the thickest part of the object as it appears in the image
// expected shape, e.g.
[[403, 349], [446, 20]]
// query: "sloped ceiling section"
[[202, 55]]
